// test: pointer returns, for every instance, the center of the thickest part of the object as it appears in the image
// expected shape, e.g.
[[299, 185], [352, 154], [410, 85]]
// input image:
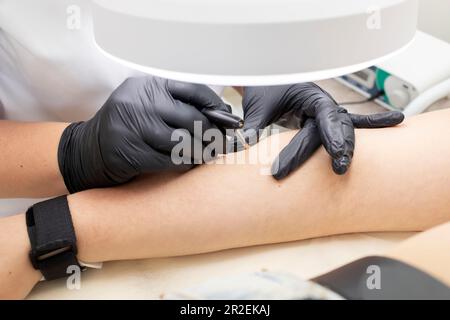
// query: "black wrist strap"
[[52, 238]]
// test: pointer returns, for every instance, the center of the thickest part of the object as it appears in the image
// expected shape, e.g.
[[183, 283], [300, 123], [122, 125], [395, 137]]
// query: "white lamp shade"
[[252, 42]]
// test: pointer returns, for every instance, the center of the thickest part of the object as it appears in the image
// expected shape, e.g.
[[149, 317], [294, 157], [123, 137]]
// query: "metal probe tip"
[[241, 138]]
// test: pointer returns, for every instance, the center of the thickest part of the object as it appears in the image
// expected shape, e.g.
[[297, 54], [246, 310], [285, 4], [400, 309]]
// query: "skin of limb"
[[397, 183], [428, 251], [17, 276], [28, 160]]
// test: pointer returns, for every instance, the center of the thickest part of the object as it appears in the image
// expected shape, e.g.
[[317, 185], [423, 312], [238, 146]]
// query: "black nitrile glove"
[[131, 134], [324, 121]]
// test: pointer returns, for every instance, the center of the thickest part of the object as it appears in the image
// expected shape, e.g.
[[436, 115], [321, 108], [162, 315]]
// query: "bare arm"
[[223, 206], [28, 160], [218, 207]]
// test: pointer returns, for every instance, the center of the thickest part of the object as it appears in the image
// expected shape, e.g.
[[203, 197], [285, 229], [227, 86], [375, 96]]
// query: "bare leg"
[[397, 183], [428, 251]]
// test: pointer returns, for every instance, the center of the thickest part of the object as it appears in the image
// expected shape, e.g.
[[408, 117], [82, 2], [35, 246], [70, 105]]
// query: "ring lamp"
[[252, 42]]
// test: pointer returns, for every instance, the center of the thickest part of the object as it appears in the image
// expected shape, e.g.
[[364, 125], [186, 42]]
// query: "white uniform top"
[[50, 68]]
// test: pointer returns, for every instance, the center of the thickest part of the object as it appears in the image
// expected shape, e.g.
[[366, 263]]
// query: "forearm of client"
[[216, 207]]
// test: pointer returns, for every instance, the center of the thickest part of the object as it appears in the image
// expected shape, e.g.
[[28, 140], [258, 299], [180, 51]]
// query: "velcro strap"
[[52, 238]]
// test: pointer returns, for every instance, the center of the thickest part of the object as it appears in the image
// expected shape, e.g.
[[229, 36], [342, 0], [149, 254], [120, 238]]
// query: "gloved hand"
[[323, 120], [131, 133]]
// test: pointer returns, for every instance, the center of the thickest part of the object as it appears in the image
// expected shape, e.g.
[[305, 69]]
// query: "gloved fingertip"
[[280, 175], [335, 145], [276, 171], [336, 152], [340, 170], [398, 117], [341, 165], [281, 169]]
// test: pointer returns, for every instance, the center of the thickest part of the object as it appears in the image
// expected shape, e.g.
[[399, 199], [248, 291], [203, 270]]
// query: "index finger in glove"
[[299, 149], [331, 132], [379, 120], [342, 164], [197, 95]]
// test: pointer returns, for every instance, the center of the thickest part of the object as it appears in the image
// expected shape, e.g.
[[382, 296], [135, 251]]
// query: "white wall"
[[434, 18]]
